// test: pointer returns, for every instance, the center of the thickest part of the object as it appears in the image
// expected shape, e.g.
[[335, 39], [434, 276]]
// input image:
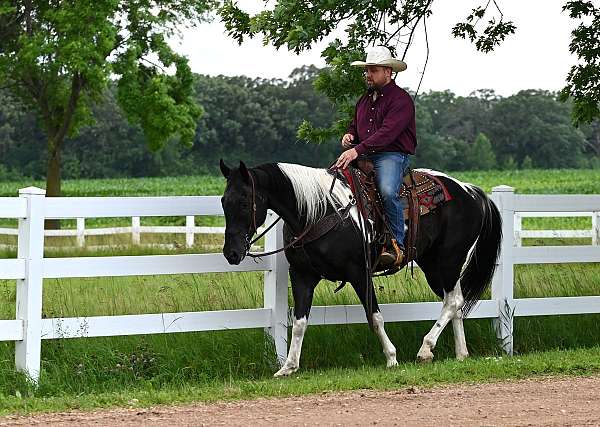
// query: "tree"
[[298, 24], [583, 84], [480, 155], [57, 58], [533, 123]]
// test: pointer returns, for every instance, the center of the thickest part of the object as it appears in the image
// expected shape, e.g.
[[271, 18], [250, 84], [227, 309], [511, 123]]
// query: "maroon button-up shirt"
[[386, 124]]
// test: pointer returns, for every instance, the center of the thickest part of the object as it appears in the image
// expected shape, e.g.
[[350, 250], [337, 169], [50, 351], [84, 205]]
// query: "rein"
[[306, 232], [255, 228]]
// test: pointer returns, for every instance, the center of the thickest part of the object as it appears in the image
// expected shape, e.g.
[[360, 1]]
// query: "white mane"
[[311, 187]]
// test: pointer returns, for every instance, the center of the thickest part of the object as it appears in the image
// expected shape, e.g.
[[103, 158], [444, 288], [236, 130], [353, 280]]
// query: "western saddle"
[[421, 193]]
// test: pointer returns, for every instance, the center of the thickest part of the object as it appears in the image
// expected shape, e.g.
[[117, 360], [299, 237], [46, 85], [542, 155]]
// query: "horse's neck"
[[282, 201]]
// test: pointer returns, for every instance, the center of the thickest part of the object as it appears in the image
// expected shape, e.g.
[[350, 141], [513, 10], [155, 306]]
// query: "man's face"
[[377, 77]]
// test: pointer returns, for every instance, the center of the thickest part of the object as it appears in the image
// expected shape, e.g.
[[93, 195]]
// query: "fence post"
[[596, 228], [518, 229], [81, 232], [503, 281], [29, 290], [135, 230], [276, 290], [189, 231]]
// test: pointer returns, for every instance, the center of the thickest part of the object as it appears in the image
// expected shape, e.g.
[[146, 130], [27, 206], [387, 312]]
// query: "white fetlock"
[[285, 371]]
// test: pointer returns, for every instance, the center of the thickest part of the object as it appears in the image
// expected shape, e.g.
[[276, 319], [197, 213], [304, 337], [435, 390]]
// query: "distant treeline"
[[256, 120]]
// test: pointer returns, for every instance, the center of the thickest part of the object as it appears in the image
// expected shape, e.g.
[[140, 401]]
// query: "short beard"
[[373, 88]]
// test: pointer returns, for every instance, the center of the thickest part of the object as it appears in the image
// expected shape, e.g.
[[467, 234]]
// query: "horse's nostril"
[[232, 256]]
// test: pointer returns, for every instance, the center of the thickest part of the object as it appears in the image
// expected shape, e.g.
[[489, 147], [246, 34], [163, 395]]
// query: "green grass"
[[537, 181], [205, 185], [563, 181], [581, 362], [531, 181], [109, 371]]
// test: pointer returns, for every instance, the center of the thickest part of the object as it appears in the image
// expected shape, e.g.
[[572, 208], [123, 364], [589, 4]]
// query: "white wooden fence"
[[30, 268], [521, 234], [190, 230]]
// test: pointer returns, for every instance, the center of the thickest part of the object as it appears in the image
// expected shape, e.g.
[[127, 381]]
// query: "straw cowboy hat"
[[381, 56]]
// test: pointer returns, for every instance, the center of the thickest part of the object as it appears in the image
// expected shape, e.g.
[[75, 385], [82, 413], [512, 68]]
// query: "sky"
[[535, 57]]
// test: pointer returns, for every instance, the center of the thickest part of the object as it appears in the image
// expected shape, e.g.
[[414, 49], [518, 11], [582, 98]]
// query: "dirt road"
[[562, 401]]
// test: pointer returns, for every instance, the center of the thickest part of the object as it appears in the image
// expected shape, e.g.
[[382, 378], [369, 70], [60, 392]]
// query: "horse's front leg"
[[303, 286], [366, 293]]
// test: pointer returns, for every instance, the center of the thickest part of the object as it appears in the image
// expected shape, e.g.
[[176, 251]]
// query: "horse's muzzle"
[[232, 256]]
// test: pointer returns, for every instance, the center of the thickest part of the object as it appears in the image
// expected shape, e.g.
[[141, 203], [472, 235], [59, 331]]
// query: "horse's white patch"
[[388, 348], [460, 343], [470, 254], [292, 362], [453, 301]]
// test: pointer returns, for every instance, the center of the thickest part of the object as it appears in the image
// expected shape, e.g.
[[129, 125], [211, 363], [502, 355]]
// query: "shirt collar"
[[384, 90], [387, 88]]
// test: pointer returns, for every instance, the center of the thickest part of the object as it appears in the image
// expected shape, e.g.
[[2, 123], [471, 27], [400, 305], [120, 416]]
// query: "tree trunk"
[[53, 180], [56, 136]]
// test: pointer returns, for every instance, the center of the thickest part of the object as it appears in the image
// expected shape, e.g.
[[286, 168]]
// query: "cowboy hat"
[[381, 56]]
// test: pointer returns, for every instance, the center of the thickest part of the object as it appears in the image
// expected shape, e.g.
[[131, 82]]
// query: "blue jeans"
[[389, 171]]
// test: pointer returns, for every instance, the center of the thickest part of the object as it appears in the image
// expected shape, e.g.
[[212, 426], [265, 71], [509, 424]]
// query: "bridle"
[[254, 228]]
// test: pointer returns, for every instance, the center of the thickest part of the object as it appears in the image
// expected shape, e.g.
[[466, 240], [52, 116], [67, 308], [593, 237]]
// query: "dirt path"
[[570, 401]]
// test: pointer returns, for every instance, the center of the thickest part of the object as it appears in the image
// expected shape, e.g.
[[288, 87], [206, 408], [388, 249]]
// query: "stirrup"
[[392, 259]]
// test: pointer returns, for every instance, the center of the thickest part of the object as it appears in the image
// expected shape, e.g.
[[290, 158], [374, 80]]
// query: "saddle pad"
[[430, 191]]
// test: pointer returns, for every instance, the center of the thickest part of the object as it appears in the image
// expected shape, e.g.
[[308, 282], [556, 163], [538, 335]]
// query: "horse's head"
[[245, 209]]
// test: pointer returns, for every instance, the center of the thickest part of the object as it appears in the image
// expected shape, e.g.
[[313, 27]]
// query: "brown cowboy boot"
[[392, 259]]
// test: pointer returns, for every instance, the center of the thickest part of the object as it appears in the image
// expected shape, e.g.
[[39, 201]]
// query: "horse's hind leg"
[[389, 350], [303, 286], [444, 280], [453, 301], [460, 343]]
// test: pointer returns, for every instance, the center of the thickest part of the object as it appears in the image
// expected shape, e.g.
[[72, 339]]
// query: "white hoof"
[[286, 371], [425, 355], [391, 363]]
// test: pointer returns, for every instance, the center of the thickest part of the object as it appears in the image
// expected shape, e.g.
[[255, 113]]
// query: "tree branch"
[[426, 58], [414, 27]]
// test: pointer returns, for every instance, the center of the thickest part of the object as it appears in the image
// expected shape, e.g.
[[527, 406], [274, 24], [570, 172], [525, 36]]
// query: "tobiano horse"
[[457, 245]]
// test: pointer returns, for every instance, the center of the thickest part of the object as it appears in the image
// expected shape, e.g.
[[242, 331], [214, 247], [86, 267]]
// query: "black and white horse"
[[457, 245]]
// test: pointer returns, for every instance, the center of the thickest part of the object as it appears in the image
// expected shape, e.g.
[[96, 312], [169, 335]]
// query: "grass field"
[[567, 181], [154, 369], [551, 181]]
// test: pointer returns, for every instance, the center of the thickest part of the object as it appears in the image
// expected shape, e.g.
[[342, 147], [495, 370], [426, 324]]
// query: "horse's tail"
[[481, 264]]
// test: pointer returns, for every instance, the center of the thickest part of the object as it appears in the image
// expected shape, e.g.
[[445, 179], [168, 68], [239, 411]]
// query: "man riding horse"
[[383, 130], [322, 215]]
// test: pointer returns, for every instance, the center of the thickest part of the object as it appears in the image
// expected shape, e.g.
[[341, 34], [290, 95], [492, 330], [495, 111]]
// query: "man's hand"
[[345, 158], [347, 140]]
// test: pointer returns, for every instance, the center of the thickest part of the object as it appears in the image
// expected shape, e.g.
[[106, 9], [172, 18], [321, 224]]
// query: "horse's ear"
[[224, 169], [244, 172]]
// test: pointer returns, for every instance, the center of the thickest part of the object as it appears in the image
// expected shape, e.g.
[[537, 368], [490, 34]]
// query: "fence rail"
[[521, 234], [136, 230], [30, 268], [191, 230]]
